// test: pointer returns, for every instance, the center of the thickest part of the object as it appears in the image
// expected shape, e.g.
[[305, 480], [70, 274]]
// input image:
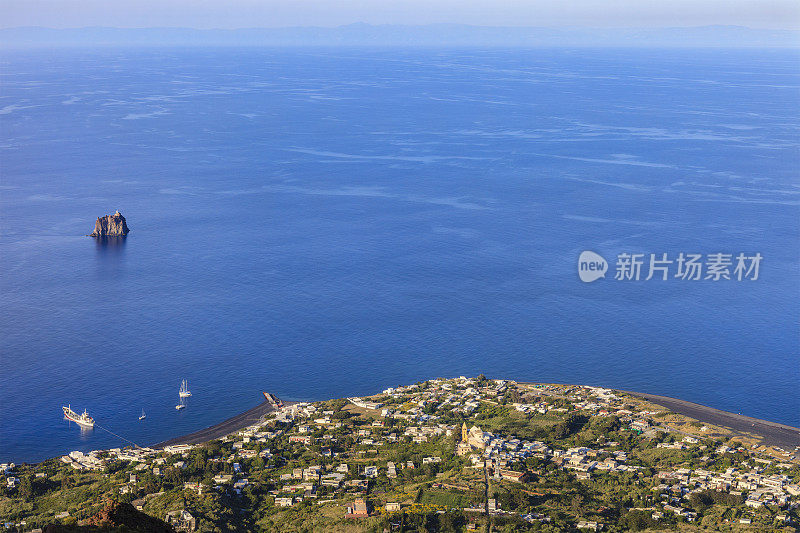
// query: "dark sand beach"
[[774, 434], [235, 423]]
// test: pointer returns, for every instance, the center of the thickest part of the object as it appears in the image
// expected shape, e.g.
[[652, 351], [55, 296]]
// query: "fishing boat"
[[184, 390], [143, 416], [83, 420]]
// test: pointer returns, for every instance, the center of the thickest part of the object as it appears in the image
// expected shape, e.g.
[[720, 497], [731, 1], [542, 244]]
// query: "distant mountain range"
[[442, 35]]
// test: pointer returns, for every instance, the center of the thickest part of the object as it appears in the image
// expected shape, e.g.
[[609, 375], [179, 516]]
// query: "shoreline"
[[773, 433], [539, 440], [219, 430]]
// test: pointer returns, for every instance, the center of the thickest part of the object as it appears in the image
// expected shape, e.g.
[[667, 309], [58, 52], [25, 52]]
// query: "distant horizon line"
[[432, 24], [404, 35]]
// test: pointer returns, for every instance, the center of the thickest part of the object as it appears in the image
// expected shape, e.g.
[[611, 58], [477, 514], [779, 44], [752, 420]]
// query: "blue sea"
[[330, 222]]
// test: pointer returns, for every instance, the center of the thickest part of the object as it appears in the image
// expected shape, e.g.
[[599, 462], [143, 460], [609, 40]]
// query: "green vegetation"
[[579, 460]]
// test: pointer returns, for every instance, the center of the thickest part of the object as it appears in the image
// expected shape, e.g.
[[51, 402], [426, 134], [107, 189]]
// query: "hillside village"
[[442, 455]]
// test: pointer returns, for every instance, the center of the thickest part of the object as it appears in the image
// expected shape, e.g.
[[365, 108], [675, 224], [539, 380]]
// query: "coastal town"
[[457, 454]]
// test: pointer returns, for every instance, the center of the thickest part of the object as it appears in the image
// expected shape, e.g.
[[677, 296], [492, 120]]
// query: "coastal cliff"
[[110, 226]]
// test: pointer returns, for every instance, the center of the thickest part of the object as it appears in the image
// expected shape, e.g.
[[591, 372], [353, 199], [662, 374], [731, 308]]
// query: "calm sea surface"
[[322, 223]]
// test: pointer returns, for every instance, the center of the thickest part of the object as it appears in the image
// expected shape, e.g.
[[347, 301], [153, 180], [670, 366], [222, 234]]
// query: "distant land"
[[445, 35]]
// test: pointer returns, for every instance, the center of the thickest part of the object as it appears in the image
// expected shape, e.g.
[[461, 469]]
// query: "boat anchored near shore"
[[83, 420]]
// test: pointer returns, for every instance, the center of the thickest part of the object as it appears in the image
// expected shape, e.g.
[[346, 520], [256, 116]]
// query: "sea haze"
[[332, 222]]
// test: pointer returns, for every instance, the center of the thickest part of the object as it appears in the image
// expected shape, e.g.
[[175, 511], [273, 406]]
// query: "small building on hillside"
[[358, 509], [181, 520]]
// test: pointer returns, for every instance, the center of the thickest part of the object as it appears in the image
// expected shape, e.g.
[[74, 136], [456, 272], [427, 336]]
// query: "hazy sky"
[[775, 14]]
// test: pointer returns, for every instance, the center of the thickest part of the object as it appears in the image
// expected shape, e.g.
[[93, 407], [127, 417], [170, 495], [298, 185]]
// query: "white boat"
[[83, 420], [180, 406], [184, 390], [143, 415]]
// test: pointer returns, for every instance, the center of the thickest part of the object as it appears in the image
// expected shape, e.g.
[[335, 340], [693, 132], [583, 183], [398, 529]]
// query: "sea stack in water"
[[110, 226]]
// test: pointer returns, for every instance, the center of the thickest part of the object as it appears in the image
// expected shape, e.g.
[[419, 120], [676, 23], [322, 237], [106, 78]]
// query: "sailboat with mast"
[[184, 390], [143, 415]]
